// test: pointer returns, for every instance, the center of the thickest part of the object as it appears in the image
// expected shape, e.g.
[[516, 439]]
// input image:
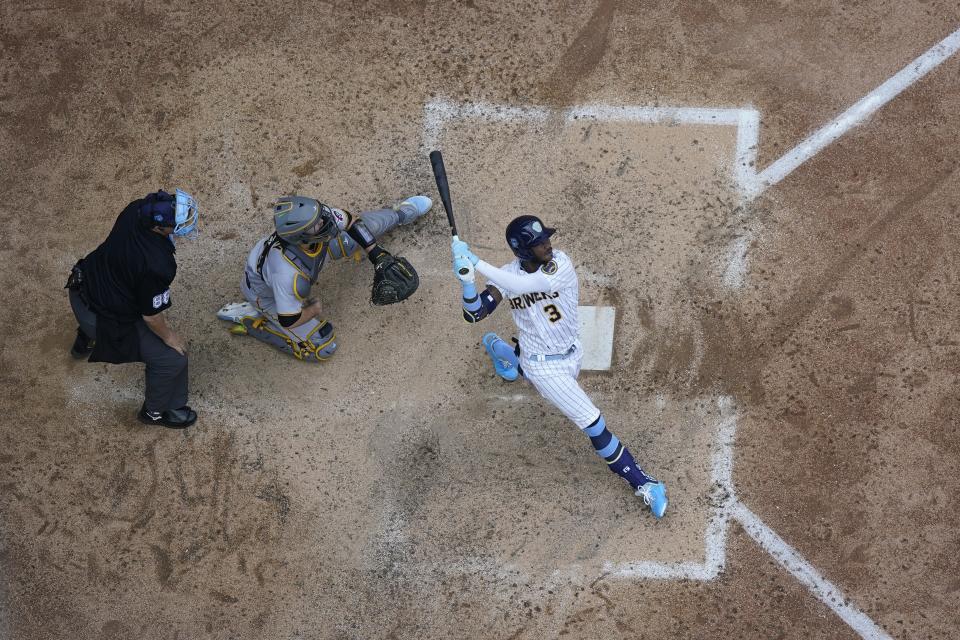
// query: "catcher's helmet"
[[300, 220], [524, 233]]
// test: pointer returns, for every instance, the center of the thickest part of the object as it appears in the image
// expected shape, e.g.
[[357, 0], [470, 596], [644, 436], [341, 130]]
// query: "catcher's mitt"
[[394, 279]]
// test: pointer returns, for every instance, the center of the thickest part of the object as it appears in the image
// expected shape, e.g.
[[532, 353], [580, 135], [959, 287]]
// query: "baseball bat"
[[443, 187], [440, 175]]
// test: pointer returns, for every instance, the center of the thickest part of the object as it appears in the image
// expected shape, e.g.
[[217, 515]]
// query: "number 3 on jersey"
[[553, 314]]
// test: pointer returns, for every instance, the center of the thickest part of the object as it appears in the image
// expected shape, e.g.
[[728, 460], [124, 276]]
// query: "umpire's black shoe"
[[82, 346], [174, 419]]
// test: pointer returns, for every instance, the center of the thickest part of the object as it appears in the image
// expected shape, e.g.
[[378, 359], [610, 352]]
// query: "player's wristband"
[[471, 301], [375, 254]]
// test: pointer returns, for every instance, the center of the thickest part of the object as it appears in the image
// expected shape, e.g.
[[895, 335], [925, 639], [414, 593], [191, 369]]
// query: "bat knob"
[[464, 271]]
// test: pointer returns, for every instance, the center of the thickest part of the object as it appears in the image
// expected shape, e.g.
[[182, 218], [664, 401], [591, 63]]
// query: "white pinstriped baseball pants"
[[556, 380]]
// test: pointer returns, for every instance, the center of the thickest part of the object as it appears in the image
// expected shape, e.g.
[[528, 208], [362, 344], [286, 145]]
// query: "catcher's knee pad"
[[321, 343]]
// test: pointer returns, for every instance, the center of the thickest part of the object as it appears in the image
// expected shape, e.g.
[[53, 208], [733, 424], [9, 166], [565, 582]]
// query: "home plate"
[[596, 336]]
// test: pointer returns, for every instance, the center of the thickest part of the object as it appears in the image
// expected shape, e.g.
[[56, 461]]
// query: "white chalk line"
[[654, 115], [729, 507], [748, 137], [803, 571], [439, 111], [857, 114], [514, 397], [747, 120], [715, 536], [738, 262]]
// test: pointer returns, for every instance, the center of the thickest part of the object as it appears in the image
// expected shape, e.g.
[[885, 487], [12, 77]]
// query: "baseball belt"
[[539, 357]]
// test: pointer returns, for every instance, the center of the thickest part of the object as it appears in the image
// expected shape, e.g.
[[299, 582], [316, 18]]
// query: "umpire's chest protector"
[[307, 266]]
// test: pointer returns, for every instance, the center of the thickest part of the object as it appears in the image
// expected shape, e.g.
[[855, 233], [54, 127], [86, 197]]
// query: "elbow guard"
[[479, 308]]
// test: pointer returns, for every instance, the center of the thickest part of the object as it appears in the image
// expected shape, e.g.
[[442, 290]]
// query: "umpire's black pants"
[[165, 387]]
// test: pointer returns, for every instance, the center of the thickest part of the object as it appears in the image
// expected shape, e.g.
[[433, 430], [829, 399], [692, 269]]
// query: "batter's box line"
[[439, 111], [728, 507], [715, 538]]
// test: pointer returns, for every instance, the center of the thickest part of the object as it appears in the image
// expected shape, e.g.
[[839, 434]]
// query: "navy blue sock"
[[617, 456]]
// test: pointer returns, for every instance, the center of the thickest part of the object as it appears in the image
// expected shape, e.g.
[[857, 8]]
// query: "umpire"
[[119, 293]]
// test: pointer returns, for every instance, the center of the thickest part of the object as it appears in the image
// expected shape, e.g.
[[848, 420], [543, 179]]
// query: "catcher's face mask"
[[323, 230]]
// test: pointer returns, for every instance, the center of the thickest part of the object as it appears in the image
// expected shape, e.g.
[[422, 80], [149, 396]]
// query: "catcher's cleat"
[[238, 329], [504, 368], [413, 208], [654, 495], [82, 346], [174, 419]]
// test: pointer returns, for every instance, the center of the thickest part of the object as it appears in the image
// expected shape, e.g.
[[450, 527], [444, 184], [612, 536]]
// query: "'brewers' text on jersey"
[[546, 321]]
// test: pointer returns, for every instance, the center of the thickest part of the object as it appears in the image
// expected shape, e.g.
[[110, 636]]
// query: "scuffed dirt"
[[391, 493]]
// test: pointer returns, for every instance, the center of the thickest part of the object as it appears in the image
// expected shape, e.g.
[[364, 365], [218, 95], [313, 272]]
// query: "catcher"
[[282, 269]]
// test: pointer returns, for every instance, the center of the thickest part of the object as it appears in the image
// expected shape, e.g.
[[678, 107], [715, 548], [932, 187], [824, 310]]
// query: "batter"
[[542, 289]]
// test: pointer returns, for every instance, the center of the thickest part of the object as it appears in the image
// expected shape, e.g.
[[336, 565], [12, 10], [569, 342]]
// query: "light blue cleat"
[[654, 495], [412, 208], [505, 368]]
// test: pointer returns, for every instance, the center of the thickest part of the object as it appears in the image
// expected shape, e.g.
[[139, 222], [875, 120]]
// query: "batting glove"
[[459, 248], [463, 269]]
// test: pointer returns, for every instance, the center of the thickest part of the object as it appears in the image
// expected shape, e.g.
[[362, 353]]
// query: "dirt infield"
[[403, 491]]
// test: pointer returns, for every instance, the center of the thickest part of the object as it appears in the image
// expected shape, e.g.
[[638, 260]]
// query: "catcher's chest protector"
[[308, 266]]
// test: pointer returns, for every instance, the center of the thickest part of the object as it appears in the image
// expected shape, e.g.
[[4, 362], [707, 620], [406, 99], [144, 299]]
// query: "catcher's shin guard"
[[319, 345]]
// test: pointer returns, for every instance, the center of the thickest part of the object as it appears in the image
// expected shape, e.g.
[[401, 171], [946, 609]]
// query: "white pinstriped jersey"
[[546, 321]]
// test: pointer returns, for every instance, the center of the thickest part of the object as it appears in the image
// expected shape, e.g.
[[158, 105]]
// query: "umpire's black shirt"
[[128, 276]]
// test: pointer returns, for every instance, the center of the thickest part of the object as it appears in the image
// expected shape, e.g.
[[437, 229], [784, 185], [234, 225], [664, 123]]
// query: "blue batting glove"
[[460, 248], [463, 268]]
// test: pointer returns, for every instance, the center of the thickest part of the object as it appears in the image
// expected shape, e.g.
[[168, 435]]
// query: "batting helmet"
[[300, 220], [524, 233]]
